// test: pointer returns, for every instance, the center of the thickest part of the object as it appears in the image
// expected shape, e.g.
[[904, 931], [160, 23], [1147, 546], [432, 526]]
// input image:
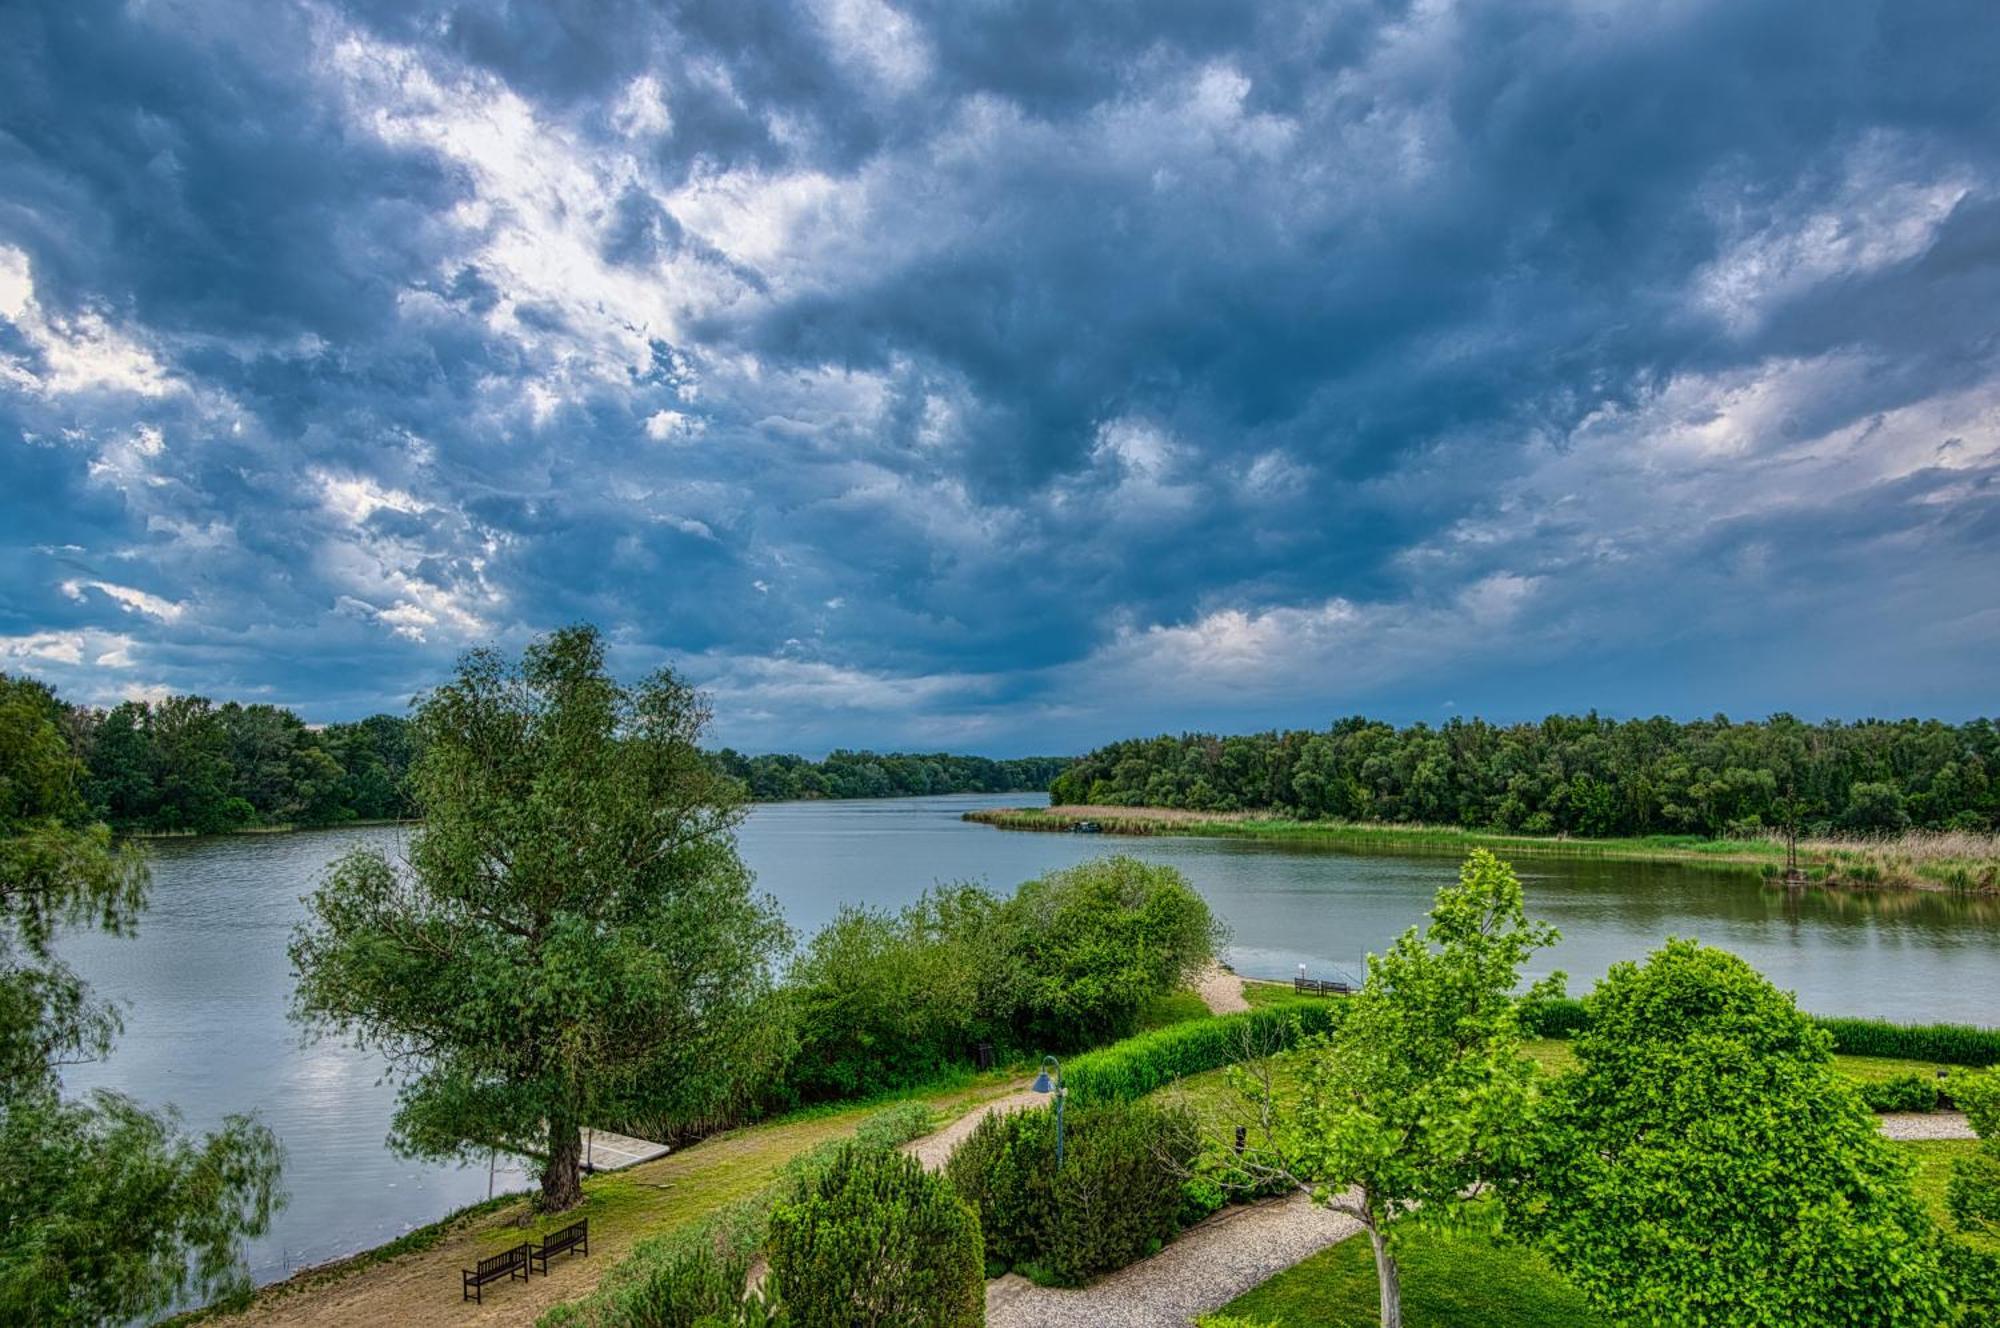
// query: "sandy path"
[[1221, 990], [934, 1150], [1205, 1268]]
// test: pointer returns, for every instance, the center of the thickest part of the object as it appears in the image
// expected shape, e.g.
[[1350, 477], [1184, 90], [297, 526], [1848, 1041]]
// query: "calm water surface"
[[205, 984]]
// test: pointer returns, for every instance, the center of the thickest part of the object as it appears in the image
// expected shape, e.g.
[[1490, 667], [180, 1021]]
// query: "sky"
[[1008, 375]]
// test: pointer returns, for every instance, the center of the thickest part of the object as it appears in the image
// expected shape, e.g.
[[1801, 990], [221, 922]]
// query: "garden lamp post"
[[1045, 1084]]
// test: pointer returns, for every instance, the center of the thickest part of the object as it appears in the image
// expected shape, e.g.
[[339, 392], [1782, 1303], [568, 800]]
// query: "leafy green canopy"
[[573, 937], [1575, 774], [107, 1212], [882, 999], [1703, 1164]]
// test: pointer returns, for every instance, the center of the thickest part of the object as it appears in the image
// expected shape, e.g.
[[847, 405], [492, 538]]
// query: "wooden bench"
[[1320, 987], [574, 1238], [509, 1264]]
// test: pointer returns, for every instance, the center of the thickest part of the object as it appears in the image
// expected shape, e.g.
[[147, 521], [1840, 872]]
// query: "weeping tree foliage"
[[572, 938], [109, 1212], [1416, 1103], [1702, 1163]]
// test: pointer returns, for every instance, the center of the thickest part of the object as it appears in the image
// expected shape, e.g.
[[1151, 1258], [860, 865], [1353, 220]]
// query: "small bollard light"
[[1242, 1133]]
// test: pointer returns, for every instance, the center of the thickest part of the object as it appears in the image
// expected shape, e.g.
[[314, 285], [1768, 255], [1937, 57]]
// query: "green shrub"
[[1905, 1092], [1119, 1195], [877, 1240], [1552, 1017], [1088, 947], [670, 1277], [1137, 1066], [683, 1283]]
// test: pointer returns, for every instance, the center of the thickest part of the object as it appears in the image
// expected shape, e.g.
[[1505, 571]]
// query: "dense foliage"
[[879, 1000], [108, 1212], [1117, 1197], [1703, 1163], [875, 1241], [1581, 775], [574, 937], [845, 774]]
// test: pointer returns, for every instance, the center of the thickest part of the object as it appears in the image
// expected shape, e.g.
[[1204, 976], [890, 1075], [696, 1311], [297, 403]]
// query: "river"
[[205, 984]]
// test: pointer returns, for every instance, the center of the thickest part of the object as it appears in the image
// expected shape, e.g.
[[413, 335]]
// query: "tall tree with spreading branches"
[[110, 1212], [572, 938], [1415, 1104]]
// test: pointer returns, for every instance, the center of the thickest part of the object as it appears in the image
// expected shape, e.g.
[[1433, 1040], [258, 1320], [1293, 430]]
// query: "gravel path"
[[1925, 1125], [934, 1150], [1221, 990], [1206, 1268]]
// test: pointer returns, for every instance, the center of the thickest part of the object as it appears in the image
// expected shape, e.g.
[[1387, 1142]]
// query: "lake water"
[[205, 983]]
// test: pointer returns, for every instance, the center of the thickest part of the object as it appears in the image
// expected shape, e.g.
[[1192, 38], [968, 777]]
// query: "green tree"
[[1703, 1163], [109, 1212], [1973, 1193], [1416, 1102], [575, 937]]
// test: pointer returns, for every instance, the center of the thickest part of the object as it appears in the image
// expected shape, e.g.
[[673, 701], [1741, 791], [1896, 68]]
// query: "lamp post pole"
[[1044, 1083]]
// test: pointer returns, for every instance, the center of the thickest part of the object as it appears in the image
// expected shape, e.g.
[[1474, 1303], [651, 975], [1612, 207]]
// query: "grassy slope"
[[1922, 859]]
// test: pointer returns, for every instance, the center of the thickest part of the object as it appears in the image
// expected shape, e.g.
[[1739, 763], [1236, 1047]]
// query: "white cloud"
[[82, 352], [128, 599]]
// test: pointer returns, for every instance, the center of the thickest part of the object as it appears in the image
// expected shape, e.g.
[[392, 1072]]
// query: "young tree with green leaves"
[[1702, 1163], [109, 1212], [573, 937], [1416, 1103]]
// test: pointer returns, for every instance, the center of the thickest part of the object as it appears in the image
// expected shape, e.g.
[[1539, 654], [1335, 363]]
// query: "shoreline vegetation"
[[1910, 859]]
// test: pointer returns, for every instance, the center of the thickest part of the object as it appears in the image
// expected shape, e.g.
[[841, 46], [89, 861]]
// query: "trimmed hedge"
[[1940, 1044], [876, 1239], [1128, 1070], [1943, 1044]]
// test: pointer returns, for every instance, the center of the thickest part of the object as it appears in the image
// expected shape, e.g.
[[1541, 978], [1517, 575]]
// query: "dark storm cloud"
[[1005, 375]]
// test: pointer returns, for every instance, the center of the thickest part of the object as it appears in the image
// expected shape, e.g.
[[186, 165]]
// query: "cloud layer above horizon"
[[1008, 375]]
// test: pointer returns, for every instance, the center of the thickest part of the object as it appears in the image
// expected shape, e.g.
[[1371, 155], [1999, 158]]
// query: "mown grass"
[[1932, 859], [1449, 1281]]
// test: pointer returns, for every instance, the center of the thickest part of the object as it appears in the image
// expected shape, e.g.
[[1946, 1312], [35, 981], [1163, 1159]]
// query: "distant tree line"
[[1572, 774], [845, 774], [188, 765]]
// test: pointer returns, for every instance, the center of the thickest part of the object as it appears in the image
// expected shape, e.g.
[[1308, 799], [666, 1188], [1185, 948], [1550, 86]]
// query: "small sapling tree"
[[574, 938], [1417, 1101]]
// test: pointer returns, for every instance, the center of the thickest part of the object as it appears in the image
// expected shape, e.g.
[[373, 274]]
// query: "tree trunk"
[[1388, 1279], [562, 1173]]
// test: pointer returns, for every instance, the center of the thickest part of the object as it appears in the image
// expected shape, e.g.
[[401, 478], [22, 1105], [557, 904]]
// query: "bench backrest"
[[569, 1235], [503, 1260]]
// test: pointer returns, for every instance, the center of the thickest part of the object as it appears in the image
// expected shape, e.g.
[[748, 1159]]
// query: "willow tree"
[[572, 938]]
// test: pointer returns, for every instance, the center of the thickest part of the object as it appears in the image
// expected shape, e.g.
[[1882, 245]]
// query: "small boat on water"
[[1088, 828]]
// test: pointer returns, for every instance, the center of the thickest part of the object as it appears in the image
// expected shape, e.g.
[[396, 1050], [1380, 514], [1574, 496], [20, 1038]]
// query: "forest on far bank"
[[1572, 774], [186, 764]]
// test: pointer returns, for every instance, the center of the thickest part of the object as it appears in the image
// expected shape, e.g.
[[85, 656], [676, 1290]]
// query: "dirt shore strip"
[[1221, 990], [1205, 1268]]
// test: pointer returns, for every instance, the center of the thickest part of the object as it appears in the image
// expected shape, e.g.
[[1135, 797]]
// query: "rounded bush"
[[875, 1240]]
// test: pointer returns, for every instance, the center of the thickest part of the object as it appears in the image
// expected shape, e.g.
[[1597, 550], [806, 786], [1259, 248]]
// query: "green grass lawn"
[[1455, 1281]]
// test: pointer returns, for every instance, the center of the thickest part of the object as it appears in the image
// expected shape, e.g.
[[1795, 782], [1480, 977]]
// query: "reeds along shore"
[[1913, 859]]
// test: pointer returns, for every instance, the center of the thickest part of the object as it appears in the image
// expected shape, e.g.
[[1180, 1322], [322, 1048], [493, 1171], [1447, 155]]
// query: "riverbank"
[[1922, 860]]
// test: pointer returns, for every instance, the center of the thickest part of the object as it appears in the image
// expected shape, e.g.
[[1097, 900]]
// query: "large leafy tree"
[[573, 937], [1415, 1104], [108, 1211], [1703, 1164]]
